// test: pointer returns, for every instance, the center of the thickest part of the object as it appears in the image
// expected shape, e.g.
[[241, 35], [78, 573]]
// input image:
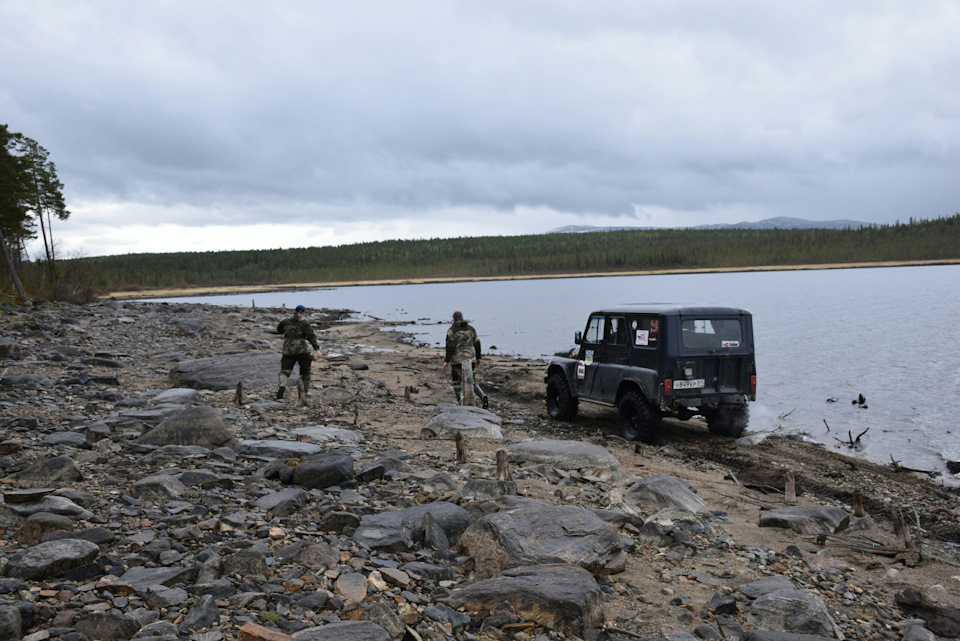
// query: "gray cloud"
[[340, 113]]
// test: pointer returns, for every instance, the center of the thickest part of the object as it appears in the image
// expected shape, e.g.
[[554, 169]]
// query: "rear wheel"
[[638, 419], [561, 403], [728, 420]]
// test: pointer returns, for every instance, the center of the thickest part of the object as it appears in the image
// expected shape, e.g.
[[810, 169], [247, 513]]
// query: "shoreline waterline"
[[293, 287]]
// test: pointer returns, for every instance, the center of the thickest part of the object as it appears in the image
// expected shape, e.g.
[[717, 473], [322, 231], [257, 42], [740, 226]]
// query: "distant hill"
[[780, 222]]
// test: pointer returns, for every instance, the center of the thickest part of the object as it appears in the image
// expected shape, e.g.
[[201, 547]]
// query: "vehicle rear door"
[[616, 357], [592, 347], [716, 357]]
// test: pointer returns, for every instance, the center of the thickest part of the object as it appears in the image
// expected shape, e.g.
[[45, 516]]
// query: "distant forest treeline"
[[547, 254]]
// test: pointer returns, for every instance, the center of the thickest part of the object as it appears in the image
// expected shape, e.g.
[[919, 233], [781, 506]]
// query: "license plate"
[[695, 383]]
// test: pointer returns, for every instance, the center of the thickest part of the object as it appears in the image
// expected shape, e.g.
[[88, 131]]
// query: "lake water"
[[890, 334]]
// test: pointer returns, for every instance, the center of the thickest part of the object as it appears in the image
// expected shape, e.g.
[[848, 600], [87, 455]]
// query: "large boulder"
[[807, 519], [663, 490], [320, 471], [564, 598], [274, 449], [52, 472], [543, 534], [51, 559], [402, 530], [255, 369], [470, 421], [200, 426], [791, 611], [343, 631], [587, 458]]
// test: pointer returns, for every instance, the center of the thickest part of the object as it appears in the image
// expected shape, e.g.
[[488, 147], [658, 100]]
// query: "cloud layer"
[[211, 125]]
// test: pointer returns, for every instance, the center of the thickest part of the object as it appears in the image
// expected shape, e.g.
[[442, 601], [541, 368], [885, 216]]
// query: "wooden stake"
[[238, 397], [901, 531], [790, 488], [461, 449], [503, 468], [858, 504], [301, 393], [469, 398]]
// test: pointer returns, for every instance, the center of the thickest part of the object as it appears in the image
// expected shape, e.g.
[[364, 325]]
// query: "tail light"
[[753, 384], [668, 387]]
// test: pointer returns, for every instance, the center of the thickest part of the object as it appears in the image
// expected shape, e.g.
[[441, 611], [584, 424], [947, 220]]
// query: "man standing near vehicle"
[[462, 345], [298, 337]]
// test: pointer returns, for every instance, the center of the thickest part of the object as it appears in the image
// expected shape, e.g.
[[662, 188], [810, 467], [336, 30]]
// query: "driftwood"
[[238, 396], [468, 396], [461, 449], [858, 504], [852, 443], [790, 488]]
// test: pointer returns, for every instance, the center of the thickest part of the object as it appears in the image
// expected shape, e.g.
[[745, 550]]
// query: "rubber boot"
[[306, 385], [484, 401], [459, 394], [282, 387]]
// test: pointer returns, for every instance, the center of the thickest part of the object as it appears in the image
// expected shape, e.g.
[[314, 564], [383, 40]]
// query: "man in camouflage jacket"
[[298, 337], [462, 345]]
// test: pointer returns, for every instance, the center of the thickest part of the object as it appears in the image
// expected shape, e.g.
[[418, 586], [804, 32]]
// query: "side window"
[[594, 333], [645, 332], [616, 330]]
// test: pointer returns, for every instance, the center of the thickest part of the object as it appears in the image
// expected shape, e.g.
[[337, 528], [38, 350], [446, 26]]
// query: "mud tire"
[[639, 421], [561, 403]]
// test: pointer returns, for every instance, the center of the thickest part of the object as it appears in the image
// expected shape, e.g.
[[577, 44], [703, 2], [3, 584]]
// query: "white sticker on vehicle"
[[694, 383], [581, 370], [731, 343], [643, 337]]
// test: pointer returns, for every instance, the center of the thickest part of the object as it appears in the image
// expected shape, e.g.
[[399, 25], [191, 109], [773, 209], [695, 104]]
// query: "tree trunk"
[[13, 271], [43, 229]]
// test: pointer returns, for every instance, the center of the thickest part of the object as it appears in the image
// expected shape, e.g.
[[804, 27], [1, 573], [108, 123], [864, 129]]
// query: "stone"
[[255, 369], [284, 502], [323, 435], [544, 534], [53, 471], [791, 611], [142, 578], [17, 512], [323, 470], [200, 426], [107, 626], [663, 490], [807, 519], [343, 631], [202, 614], [26, 381], [401, 530], [352, 586], [563, 598], [470, 421], [244, 562], [51, 559], [251, 631], [159, 488], [177, 395], [270, 450], [39, 524], [776, 583], [11, 622], [480, 489], [586, 458]]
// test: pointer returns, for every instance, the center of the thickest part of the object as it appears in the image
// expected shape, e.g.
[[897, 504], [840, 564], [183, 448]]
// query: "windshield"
[[711, 333]]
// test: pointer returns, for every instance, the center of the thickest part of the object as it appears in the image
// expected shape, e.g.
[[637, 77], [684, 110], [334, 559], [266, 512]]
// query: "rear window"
[[711, 333]]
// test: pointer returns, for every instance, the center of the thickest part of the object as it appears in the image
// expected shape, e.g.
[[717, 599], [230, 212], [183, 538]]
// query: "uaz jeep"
[[651, 361]]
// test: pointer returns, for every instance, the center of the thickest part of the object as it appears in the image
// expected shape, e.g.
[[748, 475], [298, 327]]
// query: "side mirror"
[[578, 338]]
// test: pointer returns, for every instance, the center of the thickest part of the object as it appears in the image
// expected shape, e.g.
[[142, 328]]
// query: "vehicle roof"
[[672, 309]]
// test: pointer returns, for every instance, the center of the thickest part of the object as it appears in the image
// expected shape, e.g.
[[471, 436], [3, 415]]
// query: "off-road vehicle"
[[651, 361]]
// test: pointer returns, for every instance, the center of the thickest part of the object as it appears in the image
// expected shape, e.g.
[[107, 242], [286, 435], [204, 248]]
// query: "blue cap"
[[301, 308]]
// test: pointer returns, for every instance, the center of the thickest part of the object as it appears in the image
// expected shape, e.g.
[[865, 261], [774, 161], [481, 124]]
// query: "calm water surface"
[[890, 334]]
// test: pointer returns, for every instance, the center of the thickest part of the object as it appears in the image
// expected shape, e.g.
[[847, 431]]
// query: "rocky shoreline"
[[147, 495]]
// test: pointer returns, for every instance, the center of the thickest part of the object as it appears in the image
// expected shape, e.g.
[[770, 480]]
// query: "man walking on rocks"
[[462, 345], [298, 337]]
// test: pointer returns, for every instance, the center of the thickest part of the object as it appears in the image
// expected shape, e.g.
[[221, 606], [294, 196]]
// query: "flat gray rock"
[[51, 559], [343, 631], [52, 471], [662, 491], [191, 426], [401, 530], [807, 519], [142, 578], [256, 369], [586, 458], [322, 434], [16, 512], [563, 598], [776, 583], [470, 421], [271, 450], [160, 488], [26, 381], [177, 395], [791, 611], [541, 535]]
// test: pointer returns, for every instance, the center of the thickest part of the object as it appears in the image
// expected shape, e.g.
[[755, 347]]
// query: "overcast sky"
[[187, 126]]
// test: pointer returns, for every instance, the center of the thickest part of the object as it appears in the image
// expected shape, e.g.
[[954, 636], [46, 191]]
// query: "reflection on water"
[[823, 338]]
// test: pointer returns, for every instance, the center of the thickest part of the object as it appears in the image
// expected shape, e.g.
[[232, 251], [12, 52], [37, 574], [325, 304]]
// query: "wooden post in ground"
[[790, 488], [238, 397], [461, 449], [858, 504], [301, 393], [901, 531], [468, 396], [503, 468]]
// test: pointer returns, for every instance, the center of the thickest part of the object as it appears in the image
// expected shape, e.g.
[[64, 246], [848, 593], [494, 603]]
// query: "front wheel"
[[728, 420], [561, 403], [638, 419]]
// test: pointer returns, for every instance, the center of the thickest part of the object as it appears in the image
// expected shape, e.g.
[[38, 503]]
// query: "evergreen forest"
[[533, 255]]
